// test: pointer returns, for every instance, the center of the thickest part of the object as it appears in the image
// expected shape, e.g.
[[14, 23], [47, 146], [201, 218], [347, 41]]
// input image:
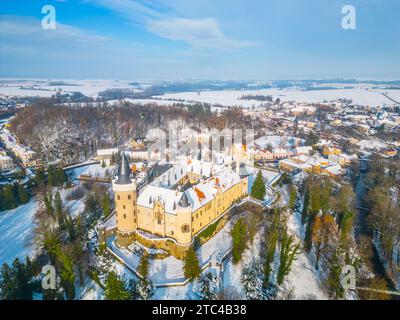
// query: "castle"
[[178, 204]]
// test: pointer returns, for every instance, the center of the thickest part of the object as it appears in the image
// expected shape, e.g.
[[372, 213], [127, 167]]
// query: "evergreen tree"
[[252, 281], [15, 192], [48, 205], [53, 294], [272, 235], [91, 203], [7, 283], [311, 139], [288, 253], [206, 287], [346, 224], [40, 179], [335, 269], [292, 197], [67, 274], [58, 208], [50, 176], [9, 197], [106, 205], [16, 281], [308, 235], [258, 189], [144, 289], [304, 212], [58, 203], [2, 204], [24, 279], [144, 264], [115, 288], [23, 195], [238, 234], [191, 264]]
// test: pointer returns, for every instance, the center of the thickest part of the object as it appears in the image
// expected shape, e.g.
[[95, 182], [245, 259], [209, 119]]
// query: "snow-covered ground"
[[363, 94], [303, 278], [360, 95], [41, 88], [93, 170], [231, 283], [16, 227]]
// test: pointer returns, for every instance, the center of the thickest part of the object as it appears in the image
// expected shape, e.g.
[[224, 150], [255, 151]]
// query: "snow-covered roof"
[[217, 178], [278, 141], [106, 152]]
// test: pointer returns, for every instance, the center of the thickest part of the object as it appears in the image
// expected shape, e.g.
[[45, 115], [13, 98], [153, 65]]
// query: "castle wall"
[[215, 208], [181, 226]]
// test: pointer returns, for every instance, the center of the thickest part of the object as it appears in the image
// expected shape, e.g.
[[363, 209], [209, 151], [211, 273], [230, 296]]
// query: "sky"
[[200, 39]]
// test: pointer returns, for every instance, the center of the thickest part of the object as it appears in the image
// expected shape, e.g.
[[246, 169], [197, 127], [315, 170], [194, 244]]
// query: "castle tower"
[[125, 203], [244, 175], [184, 220]]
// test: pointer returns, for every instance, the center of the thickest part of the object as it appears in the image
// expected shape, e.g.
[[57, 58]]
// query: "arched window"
[[185, 228], [159, 217]]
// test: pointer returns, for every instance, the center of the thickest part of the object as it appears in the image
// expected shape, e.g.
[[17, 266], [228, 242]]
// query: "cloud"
[[136, 12], [199, 33], [13, 27], [163, 21]]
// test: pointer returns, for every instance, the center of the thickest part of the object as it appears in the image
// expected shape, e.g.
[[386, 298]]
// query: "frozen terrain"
[[359, 95], [16, 227], [42, 88]]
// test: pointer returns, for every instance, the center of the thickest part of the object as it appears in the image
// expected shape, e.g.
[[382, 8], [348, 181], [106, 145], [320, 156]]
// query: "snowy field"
[[16, 227], [363, 94], [359, 95], [41, 88]]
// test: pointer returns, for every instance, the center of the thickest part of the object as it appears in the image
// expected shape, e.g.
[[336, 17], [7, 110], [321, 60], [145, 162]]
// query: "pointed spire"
[[184, 202], [124, 171]]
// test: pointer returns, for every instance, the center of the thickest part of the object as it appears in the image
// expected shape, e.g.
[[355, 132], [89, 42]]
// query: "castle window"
[[124, 216], [159, 218], [192, 218], [119, 197], [201, 224], [172, 233], [193, 230], [129, 197], [185, 228], [197, 215], [123, 207]]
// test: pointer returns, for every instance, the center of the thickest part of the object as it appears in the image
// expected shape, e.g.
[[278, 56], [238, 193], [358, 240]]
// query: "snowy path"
[[16, 227]]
